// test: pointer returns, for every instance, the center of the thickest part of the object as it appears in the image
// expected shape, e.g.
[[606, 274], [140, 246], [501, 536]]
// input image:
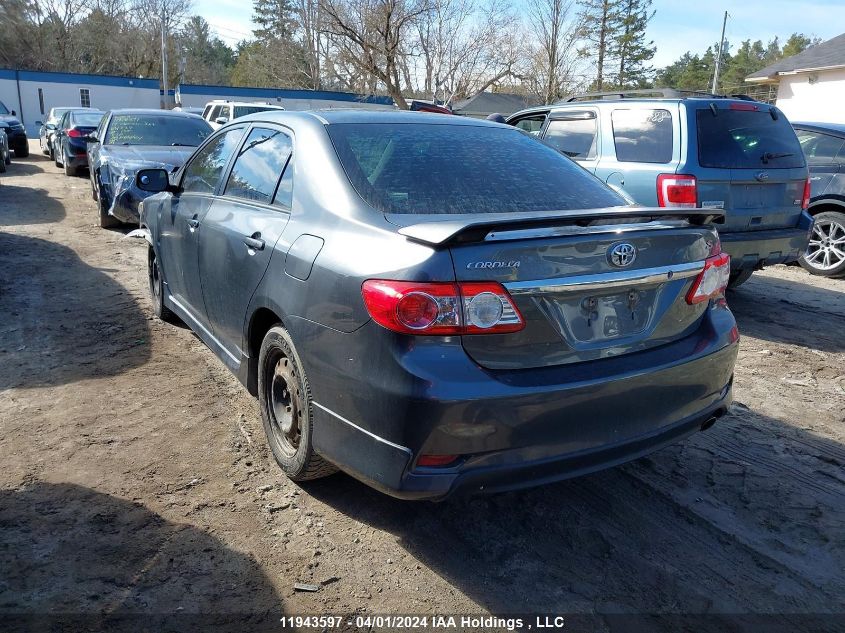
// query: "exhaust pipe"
[[712, 420]]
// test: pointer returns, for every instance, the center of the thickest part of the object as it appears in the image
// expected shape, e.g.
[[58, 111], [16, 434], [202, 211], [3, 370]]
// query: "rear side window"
[[204, 170], [422, 168], [746, 139], [818, 147], [245, 110], [259, 165], [642, 136], [573, 134]]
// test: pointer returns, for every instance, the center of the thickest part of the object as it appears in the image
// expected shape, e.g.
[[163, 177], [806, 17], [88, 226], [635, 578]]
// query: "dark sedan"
[[70, 142], [129, 140], [5, 155], [47, 129], [824, 147], [14, 131], [439, 303]]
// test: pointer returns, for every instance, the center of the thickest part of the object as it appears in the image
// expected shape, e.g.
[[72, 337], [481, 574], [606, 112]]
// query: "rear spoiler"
[[443, 232]]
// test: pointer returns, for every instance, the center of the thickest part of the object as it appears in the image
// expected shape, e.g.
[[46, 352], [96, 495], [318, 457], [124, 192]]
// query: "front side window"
[[258, 166], [203, 172], [643, 135], [418, 168], [531, 124], [574, 134], [818, 147], [85, 97], [156, 129], [3, 108]]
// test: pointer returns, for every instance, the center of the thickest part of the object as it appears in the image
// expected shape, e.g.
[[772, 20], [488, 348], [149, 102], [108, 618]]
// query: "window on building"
[[85, 97], [41, 100]]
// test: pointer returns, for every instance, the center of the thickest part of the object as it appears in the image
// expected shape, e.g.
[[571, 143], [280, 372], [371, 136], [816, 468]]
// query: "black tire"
[[827, 239], [286, 410], [45, 149], [2, 164], [22, 151], [57, 151], [106, 221], [738, 278], [156, 285], [69, 170], [8, 160]]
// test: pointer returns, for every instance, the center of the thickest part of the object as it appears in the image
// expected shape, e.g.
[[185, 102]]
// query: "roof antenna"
[[719, 56]]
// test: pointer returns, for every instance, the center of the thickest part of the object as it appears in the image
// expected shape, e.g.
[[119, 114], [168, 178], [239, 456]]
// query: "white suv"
[[220, 112]]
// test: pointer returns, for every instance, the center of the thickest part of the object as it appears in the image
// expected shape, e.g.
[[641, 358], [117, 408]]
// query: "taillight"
[[436, 460], [712, 281], [805, 199], [674, 190], [442, 308], [747, 107], [74, 133]]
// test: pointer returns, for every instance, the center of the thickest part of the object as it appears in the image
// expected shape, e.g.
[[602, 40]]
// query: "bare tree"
[[551, 64], [369, 36]]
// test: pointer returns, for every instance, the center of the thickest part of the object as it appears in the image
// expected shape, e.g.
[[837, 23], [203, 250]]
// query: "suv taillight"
[[478, 307], [74, 133], [676, 190], [712, 281], [805, 199]]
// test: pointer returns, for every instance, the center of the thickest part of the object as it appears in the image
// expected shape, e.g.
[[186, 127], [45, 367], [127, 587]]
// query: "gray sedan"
[[434, 304]]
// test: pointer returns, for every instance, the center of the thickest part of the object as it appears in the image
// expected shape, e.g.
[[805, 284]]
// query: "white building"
[[31, 94], [811, 84], [190, 95]]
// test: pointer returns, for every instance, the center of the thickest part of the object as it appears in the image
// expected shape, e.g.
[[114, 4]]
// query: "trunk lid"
[[751, 165], [566, 277]]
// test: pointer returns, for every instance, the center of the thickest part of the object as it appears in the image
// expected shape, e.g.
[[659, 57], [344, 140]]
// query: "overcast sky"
[[679, 26]]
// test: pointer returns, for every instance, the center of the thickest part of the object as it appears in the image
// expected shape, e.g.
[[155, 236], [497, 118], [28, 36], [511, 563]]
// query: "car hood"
[[142, 154], [9, 119]]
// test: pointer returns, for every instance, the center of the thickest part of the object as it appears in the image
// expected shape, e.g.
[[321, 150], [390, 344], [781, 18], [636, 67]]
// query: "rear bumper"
[[755, 249], [512, 429]]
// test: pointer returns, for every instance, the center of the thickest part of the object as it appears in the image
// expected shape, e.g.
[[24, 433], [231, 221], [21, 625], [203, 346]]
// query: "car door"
[[821, 151], [576, 134], [180, 228], [241, 229]]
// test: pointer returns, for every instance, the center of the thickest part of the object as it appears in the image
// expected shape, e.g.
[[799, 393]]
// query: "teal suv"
[[670, 148]]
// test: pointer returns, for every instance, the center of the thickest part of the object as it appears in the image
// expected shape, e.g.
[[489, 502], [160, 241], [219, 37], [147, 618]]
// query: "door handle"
[[254, 243], [193, 223]]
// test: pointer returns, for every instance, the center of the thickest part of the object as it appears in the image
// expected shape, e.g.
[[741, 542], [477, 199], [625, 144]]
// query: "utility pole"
[[719, 56], [164, 55]]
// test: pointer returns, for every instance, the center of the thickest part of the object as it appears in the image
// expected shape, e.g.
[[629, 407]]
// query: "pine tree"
[[629, 48], [602, 24], [276, 20]]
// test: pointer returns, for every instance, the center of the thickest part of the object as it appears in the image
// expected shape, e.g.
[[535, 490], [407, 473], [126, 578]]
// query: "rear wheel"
[[22, 151], [825, 255], [286, 412], [69, 170], [157, 289], [2, 164], [738, 278]]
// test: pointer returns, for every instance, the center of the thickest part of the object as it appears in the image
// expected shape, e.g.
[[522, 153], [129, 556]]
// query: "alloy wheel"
[[826, 249]]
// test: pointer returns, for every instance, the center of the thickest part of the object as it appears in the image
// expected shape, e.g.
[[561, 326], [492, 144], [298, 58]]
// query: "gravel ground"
[[136, 479]]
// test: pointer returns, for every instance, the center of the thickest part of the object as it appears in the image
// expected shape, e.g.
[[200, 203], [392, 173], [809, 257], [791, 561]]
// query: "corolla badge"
[[622, 254], [508, 264]]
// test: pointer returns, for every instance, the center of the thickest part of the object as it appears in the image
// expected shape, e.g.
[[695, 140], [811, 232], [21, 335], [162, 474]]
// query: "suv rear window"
[[642, 135], [430, 168], [746, 139]]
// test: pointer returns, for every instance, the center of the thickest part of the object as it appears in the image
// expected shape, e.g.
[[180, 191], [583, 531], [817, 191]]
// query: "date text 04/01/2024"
[[425, 622]]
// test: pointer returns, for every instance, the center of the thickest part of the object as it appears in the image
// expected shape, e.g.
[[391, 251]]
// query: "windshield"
[[424, 168], [87, 119], [56, 113], [244, 110], [155, 129], [746, 139], [3, 108]]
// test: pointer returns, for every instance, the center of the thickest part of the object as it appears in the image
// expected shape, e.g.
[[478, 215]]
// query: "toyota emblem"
[[622, 254]]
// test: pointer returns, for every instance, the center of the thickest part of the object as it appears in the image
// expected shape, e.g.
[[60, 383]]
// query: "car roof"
[[173, 113], [838, 128], [247, 103], [568, 105], [358, 115]]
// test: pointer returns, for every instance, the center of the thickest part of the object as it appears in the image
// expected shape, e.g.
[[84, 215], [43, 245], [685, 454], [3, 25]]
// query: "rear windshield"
[[87, 119], [154, 129], [745, 139], [244, 110], [420, 168]]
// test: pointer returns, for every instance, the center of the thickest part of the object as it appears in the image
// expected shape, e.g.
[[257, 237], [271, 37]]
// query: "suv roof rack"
[[665, 93]]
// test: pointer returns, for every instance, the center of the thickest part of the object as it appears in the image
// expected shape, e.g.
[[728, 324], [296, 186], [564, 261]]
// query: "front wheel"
[[825, 254], [156, 282], [22, 151], [286, 412]]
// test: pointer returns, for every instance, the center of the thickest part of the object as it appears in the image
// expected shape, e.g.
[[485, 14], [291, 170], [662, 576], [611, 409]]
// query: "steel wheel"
[[286, 409], [825, 253]]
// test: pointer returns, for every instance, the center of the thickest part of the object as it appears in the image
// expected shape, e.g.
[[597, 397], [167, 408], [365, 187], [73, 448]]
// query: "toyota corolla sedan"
[[435, 304]]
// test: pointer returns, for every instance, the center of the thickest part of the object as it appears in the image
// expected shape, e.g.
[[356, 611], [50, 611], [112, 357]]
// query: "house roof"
[[829, 54], [485, 103]]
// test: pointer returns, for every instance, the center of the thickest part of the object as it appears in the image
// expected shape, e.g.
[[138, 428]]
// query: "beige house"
[[810, 85]]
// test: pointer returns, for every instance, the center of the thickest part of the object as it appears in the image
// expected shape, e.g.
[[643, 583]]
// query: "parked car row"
[[15, 133]]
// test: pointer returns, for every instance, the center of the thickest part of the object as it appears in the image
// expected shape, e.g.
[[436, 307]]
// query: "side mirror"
[[221, 120], [50, 126], [14, 113], [91, 138], [152, 180], [39, 123]]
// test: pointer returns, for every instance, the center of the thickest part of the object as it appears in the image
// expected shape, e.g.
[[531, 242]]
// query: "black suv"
[[14, 131], [824, 146]]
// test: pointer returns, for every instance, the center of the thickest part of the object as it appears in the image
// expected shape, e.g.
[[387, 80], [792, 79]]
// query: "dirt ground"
[[135, 476]]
